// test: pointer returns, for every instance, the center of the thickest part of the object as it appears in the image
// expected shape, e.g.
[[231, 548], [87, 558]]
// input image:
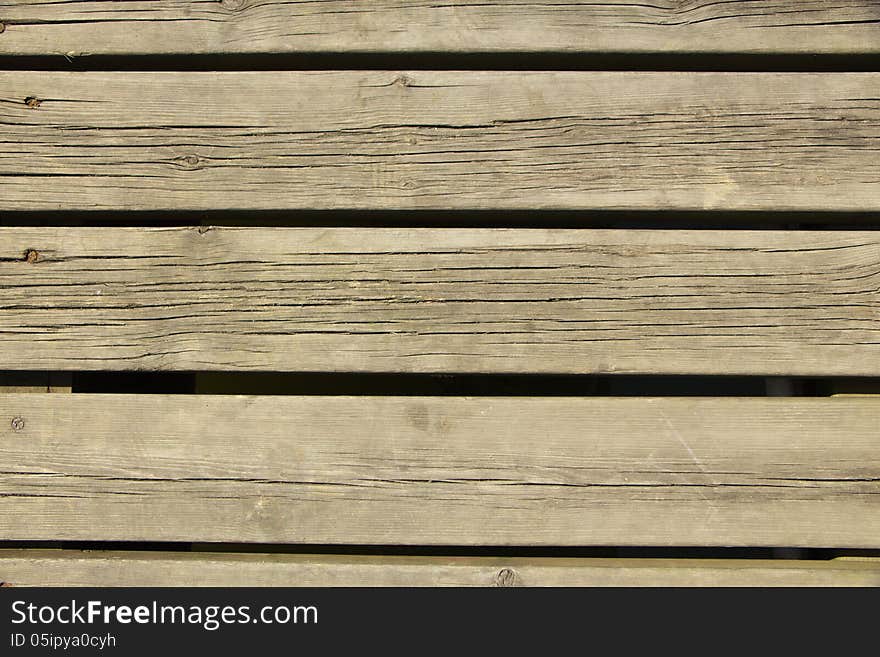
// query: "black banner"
[[407, 621]]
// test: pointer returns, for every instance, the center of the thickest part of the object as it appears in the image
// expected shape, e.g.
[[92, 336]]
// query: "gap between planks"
[[38, 382]]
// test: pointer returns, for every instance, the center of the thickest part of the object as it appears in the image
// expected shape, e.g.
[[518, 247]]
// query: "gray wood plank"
[[775, 303], [75, 28], [457, 471], [69, 568], [439, 140]]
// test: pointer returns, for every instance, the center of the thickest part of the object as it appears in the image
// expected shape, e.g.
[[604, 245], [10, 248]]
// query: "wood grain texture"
[[458, 471], [69, 568], [441, 300], [272, 26], [439, 140]]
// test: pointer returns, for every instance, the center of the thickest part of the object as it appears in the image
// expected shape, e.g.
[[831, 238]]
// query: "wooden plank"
[[431, 470], [439, 140], [441, 300], [39, 383], [70, 568], [81, 27]]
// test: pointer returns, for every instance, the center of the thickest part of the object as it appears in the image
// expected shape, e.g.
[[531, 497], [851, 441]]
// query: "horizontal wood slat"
[[440, 300], [266, 26], [51, 568], [439, 140], [458, 471]]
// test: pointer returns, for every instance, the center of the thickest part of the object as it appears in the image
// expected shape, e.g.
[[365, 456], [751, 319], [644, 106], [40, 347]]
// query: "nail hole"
[[33, 102]]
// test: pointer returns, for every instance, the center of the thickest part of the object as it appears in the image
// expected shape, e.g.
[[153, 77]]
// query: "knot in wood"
[[2, 28], [33, 102], [17, 423], [31, 256], [233, 5], [506, 577], [190, 161], [403, 81]]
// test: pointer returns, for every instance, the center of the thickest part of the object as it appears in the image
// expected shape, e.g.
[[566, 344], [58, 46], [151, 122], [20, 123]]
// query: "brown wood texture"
[[454, 471], [71, 28], [441, 300], [439, 140]]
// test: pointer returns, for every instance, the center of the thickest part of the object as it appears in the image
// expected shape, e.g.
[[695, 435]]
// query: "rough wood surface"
[[265, 26], [439, 140], [440, 300], [459, 471], [69, 568]]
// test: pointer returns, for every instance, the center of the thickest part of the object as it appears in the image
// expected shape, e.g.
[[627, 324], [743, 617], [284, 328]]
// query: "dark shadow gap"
[[602, 552], [619, 219], [164, 383], [445, 384], [467, 61], [477, 385]]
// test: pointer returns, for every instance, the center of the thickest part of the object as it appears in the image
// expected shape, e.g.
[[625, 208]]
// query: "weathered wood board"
[[426, 471], [441, 300], [439, 140], [75, 28], [69, 568]]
